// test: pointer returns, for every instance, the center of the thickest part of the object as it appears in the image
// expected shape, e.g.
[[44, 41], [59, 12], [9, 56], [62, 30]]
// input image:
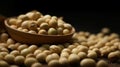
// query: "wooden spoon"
[[24, 37]]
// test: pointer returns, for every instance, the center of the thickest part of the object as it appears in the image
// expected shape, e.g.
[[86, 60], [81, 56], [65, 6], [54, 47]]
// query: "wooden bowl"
[[24, 37]]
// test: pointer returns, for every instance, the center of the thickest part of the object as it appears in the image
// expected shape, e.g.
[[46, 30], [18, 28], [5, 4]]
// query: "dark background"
[[84, 16]]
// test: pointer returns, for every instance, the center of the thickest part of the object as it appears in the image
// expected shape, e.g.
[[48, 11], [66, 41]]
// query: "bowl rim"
[[7, 25]]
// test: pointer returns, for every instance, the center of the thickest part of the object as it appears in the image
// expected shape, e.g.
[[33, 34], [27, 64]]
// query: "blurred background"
[[84, 16]]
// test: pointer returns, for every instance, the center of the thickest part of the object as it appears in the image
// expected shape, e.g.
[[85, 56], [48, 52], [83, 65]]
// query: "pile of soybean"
[[86, 50], [35, 22]]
